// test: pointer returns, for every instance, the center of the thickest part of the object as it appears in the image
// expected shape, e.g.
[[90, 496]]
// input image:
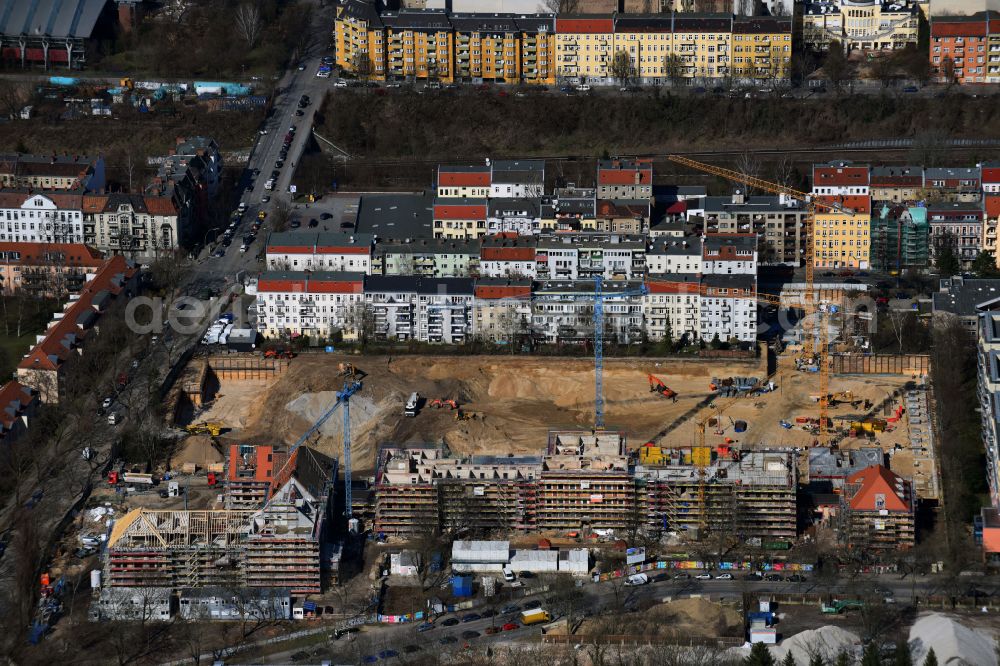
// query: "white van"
[[114, 418], [508, 575], [269, 185]]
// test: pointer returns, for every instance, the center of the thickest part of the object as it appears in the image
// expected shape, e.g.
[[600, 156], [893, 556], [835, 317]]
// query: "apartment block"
[[584, 256], [141, 227], [750, 494], [459, 219], [862, 26], [418, 45], [778, 222], [487, 47], [250, 474], [428, 257], [514, 216], [44, 368], [18, 405], [277, 545], [583, 480], [46, 270], [316, 304], [361, 39], [464, 181], [502, 310], [671, 307], [622, 216], [966, 49], [562, 311], [878, 509], [900, 238], [672, 255], [517, 179], [761, 48], [728, 307], [503, 256], [41, 217], [53, 172], [569, 209], [840, 178], [322, 251], [988, 391], [957, 184], [424, 309], [625, 179], [958, 226], [897, 184], [585, 47]]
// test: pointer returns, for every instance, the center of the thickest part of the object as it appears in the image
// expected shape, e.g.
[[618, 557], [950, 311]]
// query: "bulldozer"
[[205, 428], [438, 403], [462, 415], [656, 385]]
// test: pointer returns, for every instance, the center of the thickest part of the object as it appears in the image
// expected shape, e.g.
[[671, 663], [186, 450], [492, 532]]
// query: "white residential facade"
[[437, 310], [41, 217], [316, 304], [323, 251]]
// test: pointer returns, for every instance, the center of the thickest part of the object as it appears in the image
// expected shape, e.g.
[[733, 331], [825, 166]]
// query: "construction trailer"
[[277, 546], [584, 481]]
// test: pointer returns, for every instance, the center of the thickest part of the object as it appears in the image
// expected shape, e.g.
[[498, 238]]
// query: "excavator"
[[438, 403], [348, 370], [205, 428], [279, 353], [656, 385]]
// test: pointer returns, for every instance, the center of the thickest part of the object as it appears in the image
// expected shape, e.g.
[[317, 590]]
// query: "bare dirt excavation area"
[[510, 403]]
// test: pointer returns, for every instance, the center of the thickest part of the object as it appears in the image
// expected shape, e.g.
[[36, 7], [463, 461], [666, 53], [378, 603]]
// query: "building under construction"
[[584, 480], [274, 546], [900, 238]]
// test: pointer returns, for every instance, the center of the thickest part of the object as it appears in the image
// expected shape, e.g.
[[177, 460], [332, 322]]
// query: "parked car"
[[753, 577], [773, 578], [471, 617], [511, 626], [450, 622], [725, 576], [704, 576], [325, 216], [796, 578], [510, 608], [534, 603], [470, 634], [682, 576]]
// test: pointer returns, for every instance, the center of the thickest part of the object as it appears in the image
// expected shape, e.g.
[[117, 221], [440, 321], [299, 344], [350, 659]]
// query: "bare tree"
[[621, 67], [361, 65], [13, 96], [673, 67], [948, 71], [561, 6], [748, 166], [248, 23]]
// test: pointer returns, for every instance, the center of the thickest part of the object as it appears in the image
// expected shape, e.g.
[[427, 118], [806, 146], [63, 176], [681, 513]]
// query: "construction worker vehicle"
[[535, 616], [279, 353], [205, 428], [438, 403], [462, 415], [656, 385], [348, 370], [838, 606]]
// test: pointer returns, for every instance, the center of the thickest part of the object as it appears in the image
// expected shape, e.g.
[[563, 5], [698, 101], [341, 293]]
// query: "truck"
[[138, 479], [412, 404], [840, 605], [535, 616], [205, 428]]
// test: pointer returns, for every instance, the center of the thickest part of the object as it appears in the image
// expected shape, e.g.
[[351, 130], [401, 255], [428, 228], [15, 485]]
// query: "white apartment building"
[[673, 255], [728, 307], [502, 310], [320, 251], [517, 179], [39, 217], [562, 311], [514, 216], [309, 303], [583, 256], [463, 181], [418, 308], [672, 305], [729, 254], [141, 227], [503, 257]]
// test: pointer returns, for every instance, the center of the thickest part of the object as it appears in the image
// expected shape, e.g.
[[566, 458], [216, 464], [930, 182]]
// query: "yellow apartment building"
[[700, 41], [584, 47], [841, 239], [762, 48], [358, 33], [419, 45], [487, 48], [867, 25]]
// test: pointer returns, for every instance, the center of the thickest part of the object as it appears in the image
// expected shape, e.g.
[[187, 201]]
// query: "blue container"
[[461, 586]]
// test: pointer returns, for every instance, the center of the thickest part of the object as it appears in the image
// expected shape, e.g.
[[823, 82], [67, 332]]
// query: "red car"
[[511, 626]]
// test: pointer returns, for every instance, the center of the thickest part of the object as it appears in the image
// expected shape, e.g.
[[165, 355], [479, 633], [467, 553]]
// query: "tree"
[[789, 660], [248, 23], [13, 96], [883, 70], [901, 655], [673, 68], [561, 6], [748, 166], [836, 66], [985, 265], [816, 660], [948, 71], [946, 261], [843, 659], [759, 655], [871, 657], [621, 67], [361, 65], [931, 658]]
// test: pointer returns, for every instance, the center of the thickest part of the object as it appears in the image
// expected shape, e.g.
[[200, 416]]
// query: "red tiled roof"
[[942, 27], [14, 397], [310, 285], [76, 254], [992, 204], [503, 291], [859, 203], [508, 254], [282, 286], [839, 176], [596, 24], [160, 205], [464, 179], [63, 201], [343, 249], [671, 287], [877, 480], [459, 212], [627, 176], [94, 203], [336, 286], [65, 334], [991, 175]]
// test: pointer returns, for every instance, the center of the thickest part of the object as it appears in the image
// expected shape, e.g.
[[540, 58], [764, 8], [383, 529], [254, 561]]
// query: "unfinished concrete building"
[[748, 494], [277, 546]]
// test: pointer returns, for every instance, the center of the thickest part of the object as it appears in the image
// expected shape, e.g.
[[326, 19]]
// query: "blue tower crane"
[[343, 398], [599, 296]]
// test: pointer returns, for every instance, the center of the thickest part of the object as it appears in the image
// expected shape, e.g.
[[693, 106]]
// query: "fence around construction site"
[[234, 367], [635, 640], [880, 364]]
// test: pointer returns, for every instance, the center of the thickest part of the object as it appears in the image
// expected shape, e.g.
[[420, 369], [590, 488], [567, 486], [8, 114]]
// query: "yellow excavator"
[[205, 428]]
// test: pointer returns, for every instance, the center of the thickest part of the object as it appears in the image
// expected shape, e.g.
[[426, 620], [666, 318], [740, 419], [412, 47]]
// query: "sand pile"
[[828, 641], [953, 643], [197, 449], [697, 617]]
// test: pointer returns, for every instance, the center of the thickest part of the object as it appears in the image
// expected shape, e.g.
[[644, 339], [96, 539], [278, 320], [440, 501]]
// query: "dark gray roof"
[[429, 246], [504, 207], [738, 241], [502, 282], [397, 215], [675, 246], [323, 276], [362, 10], [313, 238], [752, 204], [536, 23], [962, 297], [417, 19], [689, 278], [519, 171], [315, 470], [730, 281], [484, 22], [503, 241], [965, 173], [584, 286], [55, 18], [420, 285]]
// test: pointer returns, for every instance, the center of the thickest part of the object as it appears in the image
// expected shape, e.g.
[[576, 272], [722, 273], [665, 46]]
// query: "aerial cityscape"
[[500, 332]]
